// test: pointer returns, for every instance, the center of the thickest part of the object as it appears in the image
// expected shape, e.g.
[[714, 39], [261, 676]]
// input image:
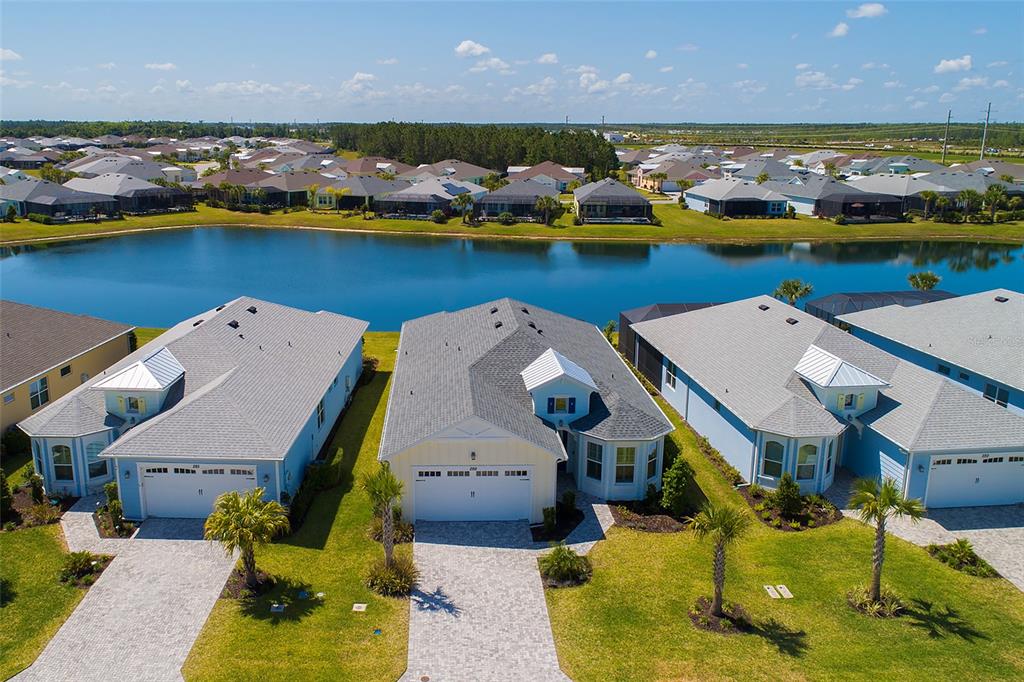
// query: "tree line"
[[176, 129]]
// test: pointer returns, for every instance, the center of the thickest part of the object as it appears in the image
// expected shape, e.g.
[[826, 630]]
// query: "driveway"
[[140, 619]]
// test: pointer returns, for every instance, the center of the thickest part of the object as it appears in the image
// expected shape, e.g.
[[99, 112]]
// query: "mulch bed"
[[106, 528], [639, 517], [815, 514], [21, 502], [566, 521], [235, 587], [86, 581], [735, 621]]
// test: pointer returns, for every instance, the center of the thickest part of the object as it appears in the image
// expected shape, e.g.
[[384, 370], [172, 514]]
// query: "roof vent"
[[1001, 299], [194, 324], [252, 309], [525, 310], [494, 310], [219, 308], [497, 324], [233, 324], [763, 307], [531, 325], [791, 320]]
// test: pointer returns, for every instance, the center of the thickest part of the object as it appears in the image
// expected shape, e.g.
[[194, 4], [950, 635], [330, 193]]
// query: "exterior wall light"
[[266, 478], [127, 474], [472, 456]]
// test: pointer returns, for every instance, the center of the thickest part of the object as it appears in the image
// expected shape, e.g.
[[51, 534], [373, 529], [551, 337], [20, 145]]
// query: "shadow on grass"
[[7, 592], [435, 601], [788, 641], [940, 622], [287, 593], [350, 436]]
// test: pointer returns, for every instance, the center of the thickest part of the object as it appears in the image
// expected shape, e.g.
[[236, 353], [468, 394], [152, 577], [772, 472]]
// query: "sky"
[[512, 61]]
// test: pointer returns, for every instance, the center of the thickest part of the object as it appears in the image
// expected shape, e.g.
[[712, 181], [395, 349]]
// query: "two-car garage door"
[[188, 491], [975, 480], [459, 493]]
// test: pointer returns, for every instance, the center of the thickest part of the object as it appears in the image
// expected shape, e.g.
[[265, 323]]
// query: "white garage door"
[[472, 493], [975, 481], [186, 491]]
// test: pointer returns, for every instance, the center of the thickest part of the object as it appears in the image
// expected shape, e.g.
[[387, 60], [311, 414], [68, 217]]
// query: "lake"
[[158, 278]]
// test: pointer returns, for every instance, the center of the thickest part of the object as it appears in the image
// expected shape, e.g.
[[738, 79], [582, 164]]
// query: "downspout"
[[277, 477]]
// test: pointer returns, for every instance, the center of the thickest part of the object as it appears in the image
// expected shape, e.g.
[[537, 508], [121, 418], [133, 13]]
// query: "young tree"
[[723, 525], [877, 504], [658, 179], [12, 214], [792, 290], [244, 522], [311, 196], [547, 206], [924, 281], [942, 205], [969, 200], [762, 178], [994, 197], [928, 197], [799, 163], [385, 491], [1007, 178], [831, 170], [573, 186], [494, 181], [463, 202], [609, 330]]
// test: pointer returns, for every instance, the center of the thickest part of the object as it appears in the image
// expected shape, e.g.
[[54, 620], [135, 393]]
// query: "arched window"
[[62, 468], [772, 464], [806, 462], [98, 468]]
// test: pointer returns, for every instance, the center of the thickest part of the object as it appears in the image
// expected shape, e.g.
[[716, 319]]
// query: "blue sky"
[[512, 61]]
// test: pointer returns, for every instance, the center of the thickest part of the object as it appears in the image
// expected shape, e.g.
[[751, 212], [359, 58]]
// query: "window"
[[9, 398], [131, 404], [156, 470], [595, 455], [828, 459], [65, 370], [944, 369], [718, 406], [625, 464], [320, 414], [1016, 458], [520, 473], [772, 464], [430, 474], [849, 401], [244, 472], [182, 470], [964, 376], [98, 468], [992, 460], [561, 405], [348, 383], [39, 392], [652, 461], [940, 462], [84, 377], [670, 374], [458, 473], [1000, 396], [966, 460], [486, 472], [62, 469], [806, 462]]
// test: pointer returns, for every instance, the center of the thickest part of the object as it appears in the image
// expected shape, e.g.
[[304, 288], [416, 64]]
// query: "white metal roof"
[[153, 373], [828, 371], [551, 365]]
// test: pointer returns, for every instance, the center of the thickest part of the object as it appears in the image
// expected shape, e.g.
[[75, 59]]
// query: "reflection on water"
[[959, 256]]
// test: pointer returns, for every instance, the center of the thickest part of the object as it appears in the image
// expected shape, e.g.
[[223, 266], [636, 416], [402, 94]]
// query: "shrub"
[[795, 525], [577, 220], [787, 497], [403, 531], [396, 580], [40, 218], [756, 491], [790, 211], [569, 499], [6, 499], [889, 606], [656, 221], [506, 218], [961, 556], [760, 507], [438, 217], [110, 490], [562, 566], [35, 486], [776, 523], [840, 219], [76, 565], [41, 514], [16, 442], [116, 513], [676, 486], [550, 520], [10, 525]]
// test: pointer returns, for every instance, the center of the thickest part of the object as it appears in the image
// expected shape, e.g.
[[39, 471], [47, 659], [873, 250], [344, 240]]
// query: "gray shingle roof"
[[453, 366], [608, 190], [734, 189], [521, 190], [246, 392], [745, 357]]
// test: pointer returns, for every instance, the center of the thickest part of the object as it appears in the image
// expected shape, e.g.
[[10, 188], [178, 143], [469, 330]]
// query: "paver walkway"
[[140, 619], [997, 533], [80, 529]]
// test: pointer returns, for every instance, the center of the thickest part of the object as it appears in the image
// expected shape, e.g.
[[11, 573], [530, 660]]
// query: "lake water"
[[159, 278]]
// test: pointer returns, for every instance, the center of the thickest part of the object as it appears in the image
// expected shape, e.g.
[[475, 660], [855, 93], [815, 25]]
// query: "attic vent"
[[1001, 299], [493, 310], [791, 320], [197, 323], [219, 308], [252, 309], [233, 324], [531, 325], [525, 310], [497, 324], [763, 307]]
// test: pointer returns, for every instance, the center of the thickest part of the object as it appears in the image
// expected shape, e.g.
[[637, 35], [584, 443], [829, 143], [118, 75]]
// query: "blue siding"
[[864, 454]]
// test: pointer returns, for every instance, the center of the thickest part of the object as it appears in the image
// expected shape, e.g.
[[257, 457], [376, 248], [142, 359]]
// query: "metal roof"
[[153, 373], [553, 365], [828, 371]]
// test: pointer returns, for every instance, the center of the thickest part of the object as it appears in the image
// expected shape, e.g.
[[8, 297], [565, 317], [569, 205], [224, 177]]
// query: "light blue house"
[[777, 390], [239, 397], [975, 340]]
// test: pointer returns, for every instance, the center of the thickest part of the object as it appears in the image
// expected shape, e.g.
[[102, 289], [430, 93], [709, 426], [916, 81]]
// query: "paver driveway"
[[480, 613], [140, 619]]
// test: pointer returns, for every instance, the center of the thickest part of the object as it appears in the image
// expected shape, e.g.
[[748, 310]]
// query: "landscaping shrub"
[[787, 497], [676, 485], [656, 221], [6, 499], [16, 442], [35, 486], [76, 565], [318, 477], [438, 217], [110, 490], [370, 365], [730, 472], [840, 219], [961, 556], [889, 606], [562, 567], [506, 218], [569, 499], [116, 512], [550, 520], [41, 514], [403, 531], [396, 580], [40, 218], [757, 491]]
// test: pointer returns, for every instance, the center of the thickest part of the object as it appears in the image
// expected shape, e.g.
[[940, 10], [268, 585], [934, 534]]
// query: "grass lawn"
[[144, 335], [678, 225], [33, 602], [630, 622], [330, 553]]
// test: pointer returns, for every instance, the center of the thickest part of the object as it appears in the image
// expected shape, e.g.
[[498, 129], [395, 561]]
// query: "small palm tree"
[[311, 195], [994, 197], [385, 491], [792, 290], [245, 522], [969, 199], [723, 524], [1007, 178], [1015, 203], [928, 197], [762, 178], [463, 202], [877, 504], [494, 181], [942, 204], [831, 170], [924, 281], [658, 179], [547, 205]]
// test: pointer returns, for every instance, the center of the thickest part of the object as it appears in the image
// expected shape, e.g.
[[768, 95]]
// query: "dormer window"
[[131, 404], [562, 405], [849, 401]]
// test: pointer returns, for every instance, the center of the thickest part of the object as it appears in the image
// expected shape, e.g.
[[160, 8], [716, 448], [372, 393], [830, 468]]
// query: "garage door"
[[187, 491], [472, 493], [976, 481]]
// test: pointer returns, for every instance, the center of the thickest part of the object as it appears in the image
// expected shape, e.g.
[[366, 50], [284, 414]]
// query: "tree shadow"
[[437, 600], [940, 621], [297, 598], [788, 641], [7, 592]]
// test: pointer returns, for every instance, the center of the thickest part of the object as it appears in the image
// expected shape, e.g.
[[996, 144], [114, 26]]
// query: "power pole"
[[945, 138], [984, 131]]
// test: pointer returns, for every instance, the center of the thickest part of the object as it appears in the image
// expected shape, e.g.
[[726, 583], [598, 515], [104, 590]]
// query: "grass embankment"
[[630, 622], [678, 226], [330, 553]]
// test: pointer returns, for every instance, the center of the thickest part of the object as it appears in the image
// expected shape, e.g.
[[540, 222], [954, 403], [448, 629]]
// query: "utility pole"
[[984, 132], [945, 138]]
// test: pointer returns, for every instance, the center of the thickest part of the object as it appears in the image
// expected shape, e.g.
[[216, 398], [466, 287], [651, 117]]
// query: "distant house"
[[548, 173], [26, 159], [133, 195], [610, 201], [829, 307], [955, 181], [648, 175], [374, 165], [614, 137], [518, 198], [735, 197], [236, 398], [144, 169], [994, 168], [891, 164], [43, 197], [755, 168], [642, 354], [451, 169], [906, 188], [974, 340], [292, 188], [423, 198], [9, 175], [362, 191], [824, 196]]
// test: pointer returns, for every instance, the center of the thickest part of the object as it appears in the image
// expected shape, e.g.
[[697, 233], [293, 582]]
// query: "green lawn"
[[678, 225], [144, 335], [630, 622], [330, 553], [33, 602]]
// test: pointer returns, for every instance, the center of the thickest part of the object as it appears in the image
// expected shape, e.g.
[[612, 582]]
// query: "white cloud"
[[623, 78], [388, 62], [742, 65], [492, 64], [851, 84], [651, 54], [7, 55], [869, 10], [841, 29], [666, 69], [814, 80], [687, 47], [164, 66], [946, 97], [246, 88], [968, 83], [980, 31], [157, 89], [1001, 84], [107, 66], [803, 67], [874, 65], [750, 87], [471, 48], [540, 89], [918, 104], [690, 88], [930, 89], [548, 58], [892, 84], [8, 82], [106, 89], [993, 65], [952, 65], [184, 85]]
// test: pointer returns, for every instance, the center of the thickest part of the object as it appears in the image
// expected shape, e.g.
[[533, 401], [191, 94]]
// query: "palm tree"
[[385, 491], [245, 522], [494, 181], [877, 504], [969, 199], [547, 205], [762, 178], [1015, 203], [311, 195], [792, 290], [928, 197], [723, 524], [336, 194], [831, 170], [463, 202], [994, 196], [941, 204], [1007, 178], [923, 281], [658, 178]]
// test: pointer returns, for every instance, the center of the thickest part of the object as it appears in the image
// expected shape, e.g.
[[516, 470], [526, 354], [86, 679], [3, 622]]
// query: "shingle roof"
[[734, 189], [45, 192], [608, 190], [453, 366], [525, 190], [120, 185], [246, 393], [975, 332], [548, 168], [37, 339], [895, 184], [367, 186]]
